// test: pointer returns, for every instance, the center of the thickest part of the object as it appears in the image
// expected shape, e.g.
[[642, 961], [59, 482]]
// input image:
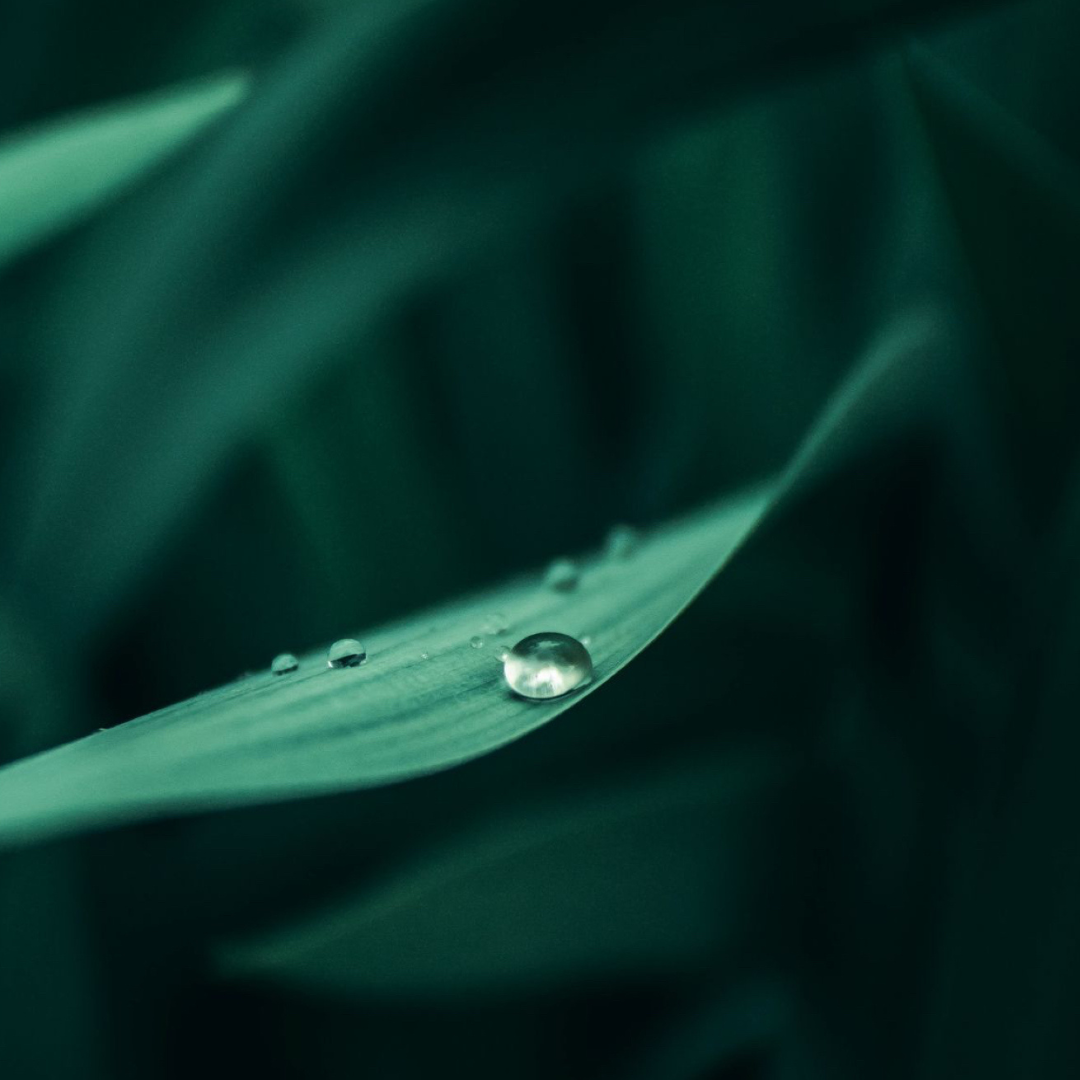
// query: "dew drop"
[[495, 623], [283, 664], [562, 576], [476, 641], [621, 542], [547, 665], [348, 652]]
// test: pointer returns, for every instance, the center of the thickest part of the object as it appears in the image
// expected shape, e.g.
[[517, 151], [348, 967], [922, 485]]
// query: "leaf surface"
[[427, 698], [52, 176]]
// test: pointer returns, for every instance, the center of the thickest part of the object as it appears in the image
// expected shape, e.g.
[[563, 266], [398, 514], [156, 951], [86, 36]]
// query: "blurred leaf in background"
[[318, 313]]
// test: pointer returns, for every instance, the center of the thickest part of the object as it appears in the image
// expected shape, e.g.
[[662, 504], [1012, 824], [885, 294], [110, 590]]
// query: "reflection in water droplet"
[[547, 665], [477, 642], [495, 623], [283, 664], [562, 576], [622, 542], [348, 652]]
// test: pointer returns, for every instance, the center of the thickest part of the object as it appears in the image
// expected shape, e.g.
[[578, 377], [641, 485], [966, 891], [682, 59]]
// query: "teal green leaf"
[[55, 174], [403, 714], [647, 878], [398, 715]]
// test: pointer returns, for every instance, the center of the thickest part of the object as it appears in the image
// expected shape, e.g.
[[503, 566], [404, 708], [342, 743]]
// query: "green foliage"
[[428, 697], [438, 292], [56, 174], [425, 699]]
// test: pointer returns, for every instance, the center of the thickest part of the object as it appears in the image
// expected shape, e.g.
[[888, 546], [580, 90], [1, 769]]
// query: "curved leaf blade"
[[397, 716], [402, 715]]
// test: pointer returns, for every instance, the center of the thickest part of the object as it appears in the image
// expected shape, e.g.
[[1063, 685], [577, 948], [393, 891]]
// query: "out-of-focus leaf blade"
[[52, 176], [645, 879], [401, 715], [541, 114]]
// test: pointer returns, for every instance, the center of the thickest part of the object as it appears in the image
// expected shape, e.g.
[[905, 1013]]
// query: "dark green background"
[[460, 284]]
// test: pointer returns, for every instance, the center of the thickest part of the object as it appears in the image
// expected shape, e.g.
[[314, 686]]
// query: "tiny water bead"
[[348, 652], [562, 576], [547, 665], [283, 664], [476, 641], [495, 623], [621, 542]]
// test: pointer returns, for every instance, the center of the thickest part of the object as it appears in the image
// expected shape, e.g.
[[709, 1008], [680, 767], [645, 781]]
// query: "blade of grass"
[[402, 715], [54, 175], [397, 716]]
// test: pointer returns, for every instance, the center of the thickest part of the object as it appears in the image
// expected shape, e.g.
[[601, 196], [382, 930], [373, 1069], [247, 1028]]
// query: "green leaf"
[[396, 716], [646, 878], [402, 715], [53, 175]]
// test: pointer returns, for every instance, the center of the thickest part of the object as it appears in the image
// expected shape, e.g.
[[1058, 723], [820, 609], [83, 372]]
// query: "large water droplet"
[[562, 576], [283, 664], [348, 652], [547, 665], [621, 542]]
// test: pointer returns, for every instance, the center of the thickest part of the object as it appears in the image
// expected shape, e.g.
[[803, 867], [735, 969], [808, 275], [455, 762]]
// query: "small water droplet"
[[476, 641], [348, 652], [562, 576], [502, 651], [425, 656], [586, 640], [283, 664], [495, 623], [547, 665], [622, 542]]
